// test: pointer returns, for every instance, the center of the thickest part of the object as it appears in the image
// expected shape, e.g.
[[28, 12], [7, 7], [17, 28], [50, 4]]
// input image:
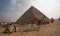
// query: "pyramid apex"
[[32, 7]]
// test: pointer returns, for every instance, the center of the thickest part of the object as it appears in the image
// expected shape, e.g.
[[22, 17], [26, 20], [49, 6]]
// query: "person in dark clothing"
[[14, 28], [39, 22]]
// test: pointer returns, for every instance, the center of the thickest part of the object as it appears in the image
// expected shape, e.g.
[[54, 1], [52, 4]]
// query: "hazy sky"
[[11, 10]]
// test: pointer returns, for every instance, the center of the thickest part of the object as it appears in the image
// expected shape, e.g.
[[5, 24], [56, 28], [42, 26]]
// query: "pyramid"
[[31, 16]]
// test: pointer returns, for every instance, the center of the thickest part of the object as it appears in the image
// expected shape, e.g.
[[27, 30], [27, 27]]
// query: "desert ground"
[[51, 29]]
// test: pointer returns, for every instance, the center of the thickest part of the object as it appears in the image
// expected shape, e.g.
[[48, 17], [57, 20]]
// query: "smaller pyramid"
[[31, 16]]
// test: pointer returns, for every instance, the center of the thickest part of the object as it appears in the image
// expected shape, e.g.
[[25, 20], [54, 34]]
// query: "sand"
[[51, 29]]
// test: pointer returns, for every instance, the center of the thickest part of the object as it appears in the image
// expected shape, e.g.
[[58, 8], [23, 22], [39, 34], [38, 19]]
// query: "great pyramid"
[[31, 16]]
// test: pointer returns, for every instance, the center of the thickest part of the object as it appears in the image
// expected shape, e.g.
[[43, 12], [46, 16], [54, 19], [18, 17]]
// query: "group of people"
[[40, 22]]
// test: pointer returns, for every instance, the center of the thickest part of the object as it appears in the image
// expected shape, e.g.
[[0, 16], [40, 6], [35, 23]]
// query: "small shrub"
[[52, 20], [59, 18]]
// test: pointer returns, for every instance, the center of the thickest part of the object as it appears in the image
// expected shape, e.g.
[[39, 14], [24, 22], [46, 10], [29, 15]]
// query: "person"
[[39, 22], [14, 28]]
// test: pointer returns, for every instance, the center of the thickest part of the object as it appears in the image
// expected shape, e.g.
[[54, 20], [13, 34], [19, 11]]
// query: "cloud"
[[13, 3], [28, 1], [19, 6]]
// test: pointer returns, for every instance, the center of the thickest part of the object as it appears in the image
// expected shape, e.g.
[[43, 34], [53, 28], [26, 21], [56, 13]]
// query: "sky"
[[11, 10]]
